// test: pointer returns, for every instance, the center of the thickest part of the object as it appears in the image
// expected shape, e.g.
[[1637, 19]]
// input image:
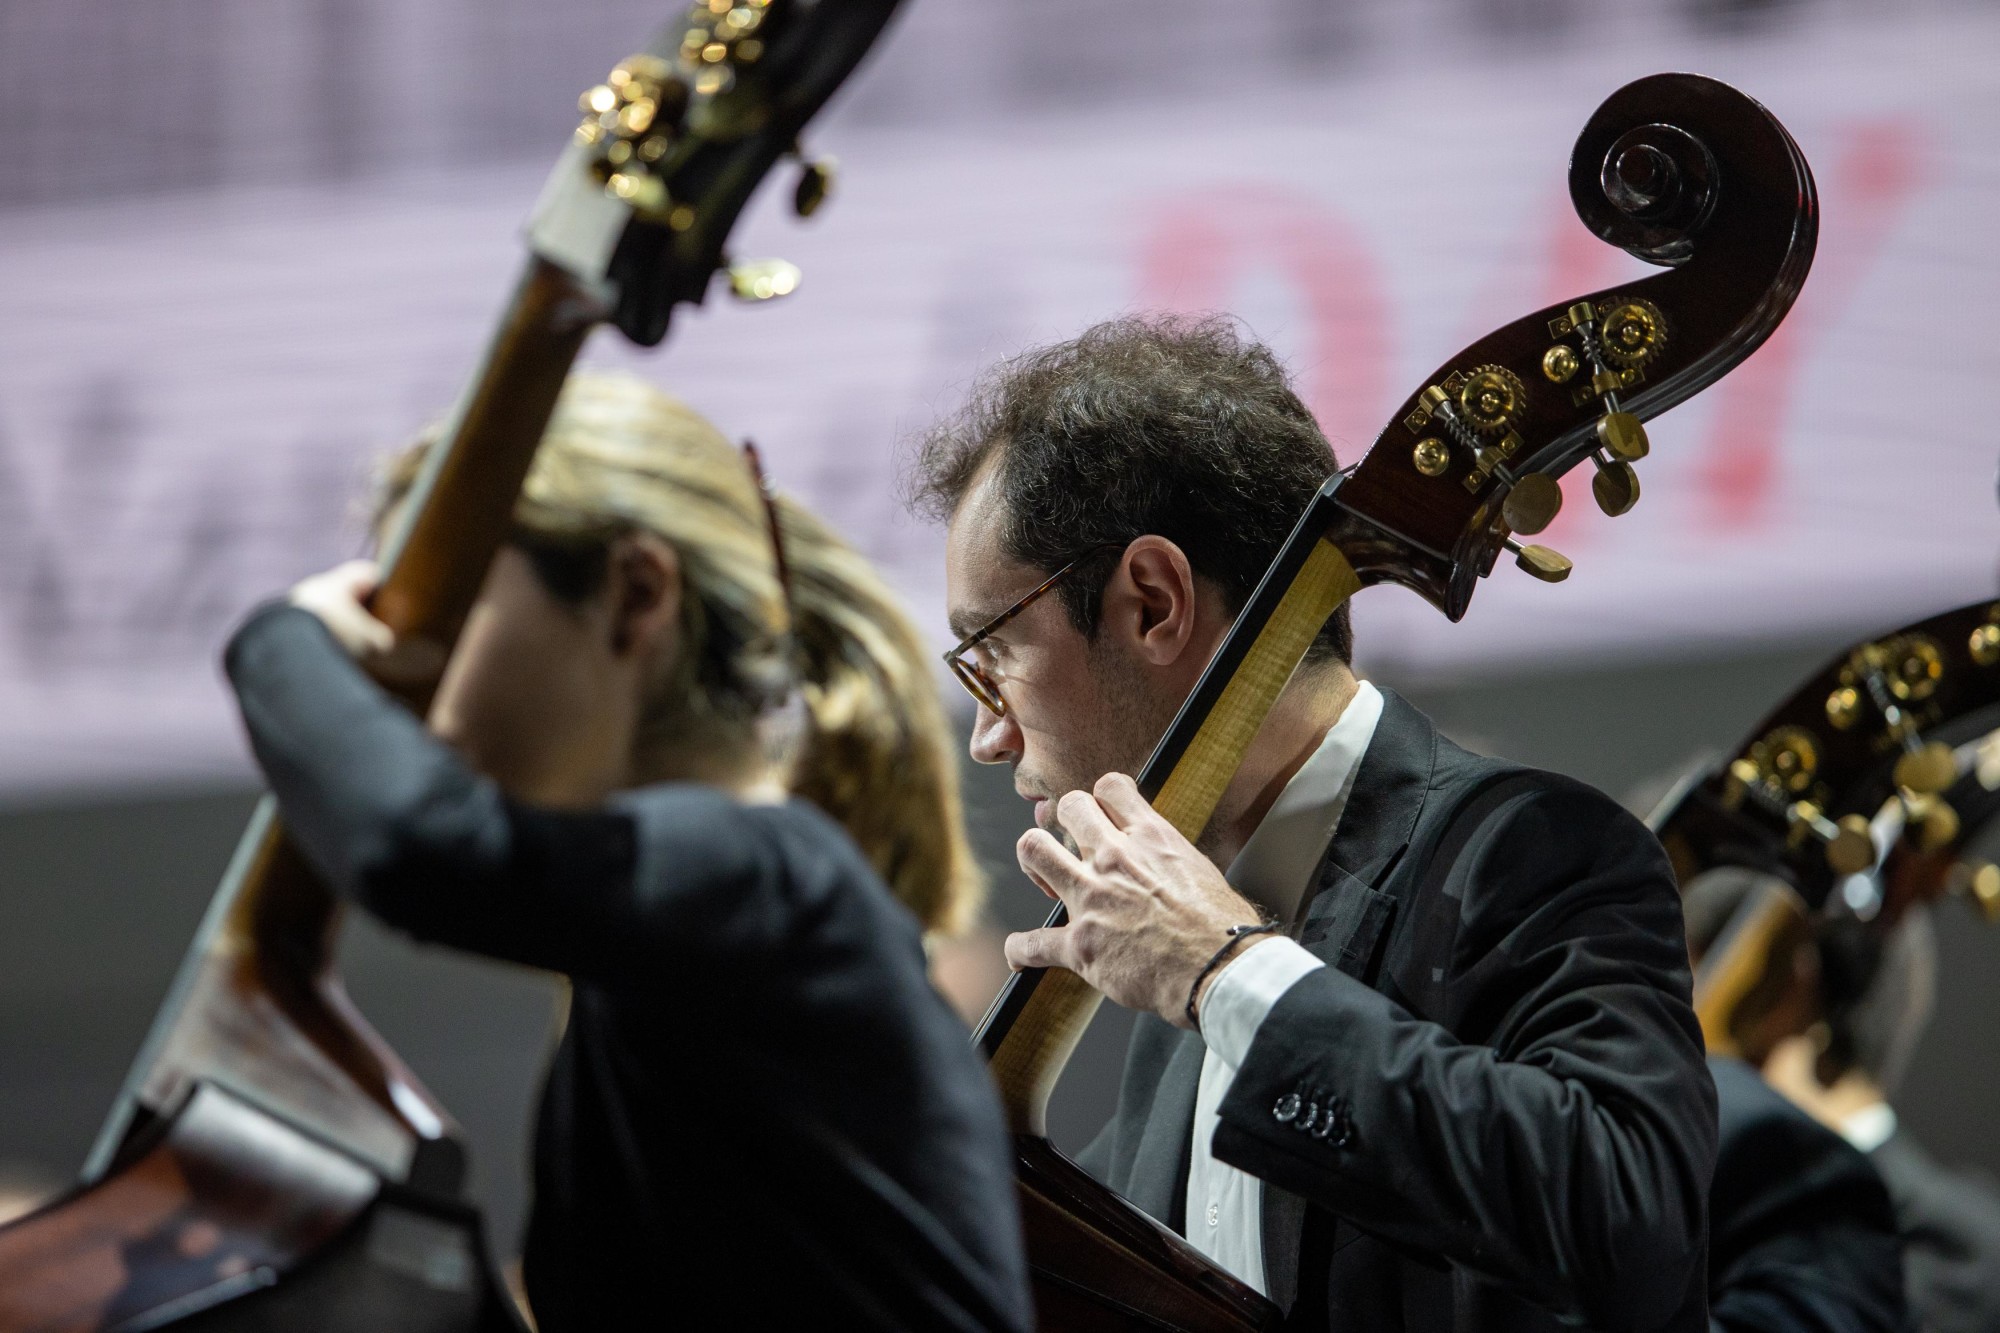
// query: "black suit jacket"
[[1951, 1238], [1491, 1110], [1802, 1238]]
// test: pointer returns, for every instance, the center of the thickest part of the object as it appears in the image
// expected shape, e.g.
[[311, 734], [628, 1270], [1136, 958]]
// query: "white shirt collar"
[[1275, 867]]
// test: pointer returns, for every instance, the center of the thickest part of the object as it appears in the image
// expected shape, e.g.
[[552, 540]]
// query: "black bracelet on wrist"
[[1237, 934]]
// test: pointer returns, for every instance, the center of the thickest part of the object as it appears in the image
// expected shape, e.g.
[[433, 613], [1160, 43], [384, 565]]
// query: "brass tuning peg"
[[1532, 502], [1980, 882], [1615, 487], [1934, 822], [763, 279], [1623, 435], [815, 184], [1547, 565], [1850, 845], [1927, 769]]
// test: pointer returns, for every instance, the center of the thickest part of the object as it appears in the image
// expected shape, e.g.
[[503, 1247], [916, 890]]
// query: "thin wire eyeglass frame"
[[985, 691]]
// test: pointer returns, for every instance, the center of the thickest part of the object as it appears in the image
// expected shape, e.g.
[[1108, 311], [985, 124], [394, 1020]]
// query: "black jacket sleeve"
[[395, 820], [1802, 1235], [1549, 1123]]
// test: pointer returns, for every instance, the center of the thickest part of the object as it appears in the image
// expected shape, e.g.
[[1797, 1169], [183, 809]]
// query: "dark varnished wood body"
[[1099, 1262], [221, 1201], [1735, 270]]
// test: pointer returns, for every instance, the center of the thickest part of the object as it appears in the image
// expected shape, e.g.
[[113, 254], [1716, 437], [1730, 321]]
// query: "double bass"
[[1855, 800], [1678, 170], [270, 1162]]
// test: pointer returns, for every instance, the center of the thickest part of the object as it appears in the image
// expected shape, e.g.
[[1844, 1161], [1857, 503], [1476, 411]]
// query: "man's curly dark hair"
[[1175, 426]]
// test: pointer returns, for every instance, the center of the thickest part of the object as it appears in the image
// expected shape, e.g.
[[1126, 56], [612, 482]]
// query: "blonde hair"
[[876, 753]]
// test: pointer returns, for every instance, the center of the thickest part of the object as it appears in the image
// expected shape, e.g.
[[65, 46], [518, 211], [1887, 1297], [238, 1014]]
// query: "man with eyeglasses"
[[1460, 1085]]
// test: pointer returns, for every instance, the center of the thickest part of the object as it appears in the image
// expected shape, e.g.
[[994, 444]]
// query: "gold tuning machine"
[[1850, 846], [1617, 345], [1477, 412], [1926, 769], [1532, 502], [1978, 882], [763, 279], [1615, 487], [1932, 820], [1623, 436], [1547, 565]]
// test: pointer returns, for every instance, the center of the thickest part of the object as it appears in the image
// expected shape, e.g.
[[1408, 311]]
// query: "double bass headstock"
[[1885, 760], [1680, 171], [672, 144]]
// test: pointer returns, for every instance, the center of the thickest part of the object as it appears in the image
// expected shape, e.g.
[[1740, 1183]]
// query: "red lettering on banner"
[[1874, 174], [1202, 246]]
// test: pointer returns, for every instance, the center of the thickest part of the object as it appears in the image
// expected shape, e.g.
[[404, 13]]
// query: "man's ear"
[[643, 589], [1150, 601]]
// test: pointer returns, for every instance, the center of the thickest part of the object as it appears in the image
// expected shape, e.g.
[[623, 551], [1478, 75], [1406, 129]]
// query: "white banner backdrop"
[[191, 388]]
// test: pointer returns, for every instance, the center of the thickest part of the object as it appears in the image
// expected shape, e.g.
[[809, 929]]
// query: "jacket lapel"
[[1166, 1146], [1349, 913]]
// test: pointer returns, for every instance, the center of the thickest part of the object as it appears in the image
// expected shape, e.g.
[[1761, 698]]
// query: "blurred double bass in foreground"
[[1861, 797], [1682, 172], [270, 1163]]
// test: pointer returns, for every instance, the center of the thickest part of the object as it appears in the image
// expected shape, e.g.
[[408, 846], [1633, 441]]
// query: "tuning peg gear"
[[1491, 399], [1632, 333]]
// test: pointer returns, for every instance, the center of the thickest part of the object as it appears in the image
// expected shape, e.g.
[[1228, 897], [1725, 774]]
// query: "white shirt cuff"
[[1235, 1003], [1867, 1129]]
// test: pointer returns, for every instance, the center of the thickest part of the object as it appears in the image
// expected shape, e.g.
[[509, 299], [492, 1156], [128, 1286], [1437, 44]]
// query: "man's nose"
[[995, 740]]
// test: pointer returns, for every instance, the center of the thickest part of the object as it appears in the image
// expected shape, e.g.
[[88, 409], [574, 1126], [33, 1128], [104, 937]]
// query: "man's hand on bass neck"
[[1147, 910]]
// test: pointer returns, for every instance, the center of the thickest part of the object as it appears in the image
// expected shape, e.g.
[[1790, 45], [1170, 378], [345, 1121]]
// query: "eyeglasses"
[[973, 676]]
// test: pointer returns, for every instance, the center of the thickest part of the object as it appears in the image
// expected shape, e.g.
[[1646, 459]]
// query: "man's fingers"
[[1047, 947], [1118, 796], [1038, 882], [1048, 863], [1078, 812]]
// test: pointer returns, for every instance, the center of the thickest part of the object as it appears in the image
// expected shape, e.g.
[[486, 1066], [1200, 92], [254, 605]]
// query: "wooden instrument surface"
[[1677, 169]]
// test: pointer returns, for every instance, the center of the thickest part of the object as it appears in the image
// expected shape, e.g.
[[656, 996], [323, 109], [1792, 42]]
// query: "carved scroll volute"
[[1679, 170]]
